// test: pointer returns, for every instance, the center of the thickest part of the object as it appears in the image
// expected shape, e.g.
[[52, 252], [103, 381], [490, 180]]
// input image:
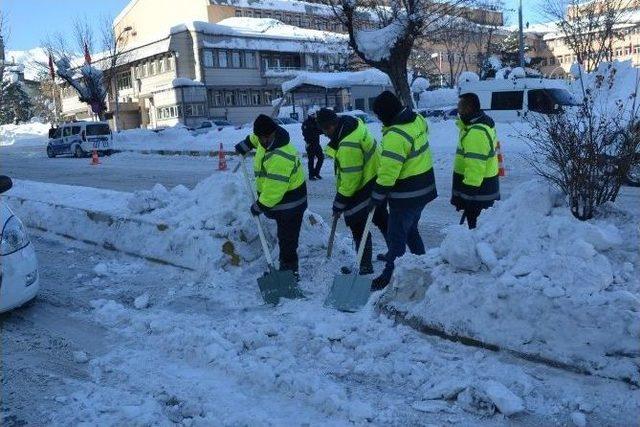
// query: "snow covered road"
[[113, 341]]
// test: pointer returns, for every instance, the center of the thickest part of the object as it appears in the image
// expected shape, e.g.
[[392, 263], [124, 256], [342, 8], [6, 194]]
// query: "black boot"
[[364, 270], [381, 257], [380, 282]]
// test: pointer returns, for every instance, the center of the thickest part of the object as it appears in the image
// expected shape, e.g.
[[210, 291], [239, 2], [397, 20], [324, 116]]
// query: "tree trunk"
[[398, 75]]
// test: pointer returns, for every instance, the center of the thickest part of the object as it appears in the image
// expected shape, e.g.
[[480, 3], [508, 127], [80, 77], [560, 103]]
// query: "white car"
[[19, 279]]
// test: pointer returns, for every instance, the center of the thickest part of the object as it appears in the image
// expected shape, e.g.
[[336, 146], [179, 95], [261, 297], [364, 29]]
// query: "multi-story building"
[[551, 45]]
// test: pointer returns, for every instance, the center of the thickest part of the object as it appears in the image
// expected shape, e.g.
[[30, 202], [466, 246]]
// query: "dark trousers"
[[471, 215], [289, 225], [315, 158], [403, 232], [380, 220]]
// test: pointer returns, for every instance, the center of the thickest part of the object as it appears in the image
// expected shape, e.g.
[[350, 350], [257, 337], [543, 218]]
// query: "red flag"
[[51, 72], [87, 56]]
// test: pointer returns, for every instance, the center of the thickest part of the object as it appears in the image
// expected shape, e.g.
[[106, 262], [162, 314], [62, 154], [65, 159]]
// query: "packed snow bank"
[[25, 134], [534, 279], [438, 98]]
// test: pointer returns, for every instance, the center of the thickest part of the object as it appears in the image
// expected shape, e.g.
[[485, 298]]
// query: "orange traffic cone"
[[95, 160], [222, 161], [501, 170]]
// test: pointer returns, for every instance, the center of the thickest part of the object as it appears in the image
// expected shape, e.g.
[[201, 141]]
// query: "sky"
[[31, 21]]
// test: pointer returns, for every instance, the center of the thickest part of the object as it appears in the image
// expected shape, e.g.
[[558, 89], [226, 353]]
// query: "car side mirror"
[[5, 183]]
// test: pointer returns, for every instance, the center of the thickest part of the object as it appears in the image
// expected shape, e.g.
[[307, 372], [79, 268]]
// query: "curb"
[[423, 327]]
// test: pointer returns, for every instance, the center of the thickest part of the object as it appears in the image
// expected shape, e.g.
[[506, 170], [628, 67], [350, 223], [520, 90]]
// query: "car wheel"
[[78, 152], [50, 153]]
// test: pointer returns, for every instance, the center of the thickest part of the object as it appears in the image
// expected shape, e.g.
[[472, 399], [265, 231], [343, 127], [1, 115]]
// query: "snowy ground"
[[114, 340]]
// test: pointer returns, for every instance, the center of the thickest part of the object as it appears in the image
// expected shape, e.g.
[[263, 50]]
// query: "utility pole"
[[520, 36]]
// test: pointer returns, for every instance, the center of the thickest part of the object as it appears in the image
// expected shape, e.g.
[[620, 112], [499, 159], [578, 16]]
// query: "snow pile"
[[614, 86], [33, 133], [219, 205], [468, 77], [534, 279]]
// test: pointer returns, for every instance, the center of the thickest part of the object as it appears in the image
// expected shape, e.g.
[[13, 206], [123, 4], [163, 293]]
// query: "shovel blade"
[[349, 292], [279, 284]]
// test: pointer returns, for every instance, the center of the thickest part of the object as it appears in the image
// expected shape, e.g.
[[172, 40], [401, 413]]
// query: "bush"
[[587, 151]]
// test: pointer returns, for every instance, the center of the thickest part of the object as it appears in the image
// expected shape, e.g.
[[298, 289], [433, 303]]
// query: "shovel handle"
[[332, 235], [263, 240], [363, 241], [463, 217]]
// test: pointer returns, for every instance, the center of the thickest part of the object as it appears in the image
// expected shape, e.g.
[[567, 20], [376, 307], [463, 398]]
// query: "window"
[[257, 14], [308, 61], [124, 81], [238, 12], [171, 63], [229, 98], [188, 110], [222, 58], [145, 69], [66, 131], [244, 97], [137, 71], [256, 99], [511, 100], [161, 66], [235, 59], [559, 59], [152, 68], [75, 130], [267, 97], [618, 52], [208, 58], [250, 59]]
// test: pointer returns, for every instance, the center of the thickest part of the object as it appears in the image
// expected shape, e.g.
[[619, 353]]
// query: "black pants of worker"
[[315, 158], [380, 220], [289, 225], [471, 215]]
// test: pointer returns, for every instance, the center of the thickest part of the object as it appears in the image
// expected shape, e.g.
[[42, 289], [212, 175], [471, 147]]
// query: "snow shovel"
[[332, 235], [274, 284], [350, 292]]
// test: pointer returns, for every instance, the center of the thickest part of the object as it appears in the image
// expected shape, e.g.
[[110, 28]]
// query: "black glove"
[[255, 209], [242, 148]]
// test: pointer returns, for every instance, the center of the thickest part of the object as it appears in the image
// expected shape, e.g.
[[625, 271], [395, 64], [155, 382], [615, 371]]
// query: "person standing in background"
[[311, 134]]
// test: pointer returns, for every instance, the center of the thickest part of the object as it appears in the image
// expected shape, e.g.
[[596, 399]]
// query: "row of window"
[[296, 19], [241, 97], [175, 111], [222, 58], [154, 67]]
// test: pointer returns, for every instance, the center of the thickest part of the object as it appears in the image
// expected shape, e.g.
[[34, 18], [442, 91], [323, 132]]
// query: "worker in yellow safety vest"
[[280, 184], [476, 183], [356, 159], [405, 178]]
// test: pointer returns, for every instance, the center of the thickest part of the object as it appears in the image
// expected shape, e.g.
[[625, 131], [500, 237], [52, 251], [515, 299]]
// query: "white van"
[[511, 100], [80, 139]]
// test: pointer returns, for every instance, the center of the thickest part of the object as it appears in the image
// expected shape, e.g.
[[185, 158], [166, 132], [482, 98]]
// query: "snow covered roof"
[[33, 60], [281, 5], [369, 77], [289, 38]]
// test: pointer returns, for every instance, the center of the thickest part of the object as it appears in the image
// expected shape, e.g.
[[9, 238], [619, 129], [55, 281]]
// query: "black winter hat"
[[325, 116], [387, 106], [264, 125]]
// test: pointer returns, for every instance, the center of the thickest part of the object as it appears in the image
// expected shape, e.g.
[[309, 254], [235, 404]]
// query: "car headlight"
[[14, 236]]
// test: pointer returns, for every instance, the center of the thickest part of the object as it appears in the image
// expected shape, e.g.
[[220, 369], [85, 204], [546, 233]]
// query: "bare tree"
[[455, 42], [588, 152], [589, 29], [5, 31], [382, 33], [487, 35], [113, 57]]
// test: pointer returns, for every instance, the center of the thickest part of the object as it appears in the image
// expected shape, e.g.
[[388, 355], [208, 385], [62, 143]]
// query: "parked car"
[[80, 139], [19, 280], [366, 118], [441, 113], [511, 100], [209, 125]]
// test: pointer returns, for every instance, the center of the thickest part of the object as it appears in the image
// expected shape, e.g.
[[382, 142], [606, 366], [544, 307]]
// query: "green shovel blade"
[[349, 292], [279, 284]]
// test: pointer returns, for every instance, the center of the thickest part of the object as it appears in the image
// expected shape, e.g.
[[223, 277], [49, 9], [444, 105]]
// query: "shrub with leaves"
[[588, 150]]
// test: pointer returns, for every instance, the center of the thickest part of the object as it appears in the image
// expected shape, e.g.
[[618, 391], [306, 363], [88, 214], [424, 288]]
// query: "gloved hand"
[[255, 209], [242, 148]]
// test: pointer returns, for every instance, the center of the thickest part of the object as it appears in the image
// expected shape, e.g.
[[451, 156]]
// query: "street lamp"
[[115, 52], [437, 55]]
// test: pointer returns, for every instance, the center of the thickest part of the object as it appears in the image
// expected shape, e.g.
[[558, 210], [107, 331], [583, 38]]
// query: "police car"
[[80, 139]]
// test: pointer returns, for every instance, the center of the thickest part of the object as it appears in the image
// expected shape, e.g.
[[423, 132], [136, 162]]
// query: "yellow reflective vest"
[[280, 180], [475, 168], [405, 174], [356, 161]]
